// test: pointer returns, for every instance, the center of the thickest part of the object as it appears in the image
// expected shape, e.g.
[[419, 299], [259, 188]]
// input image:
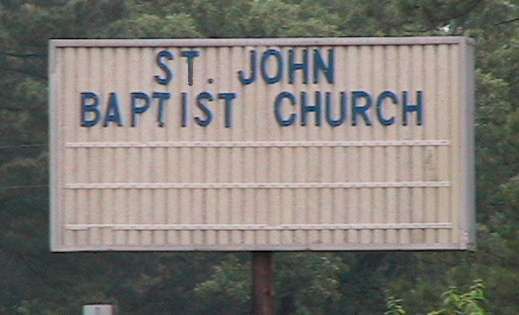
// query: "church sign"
[[262, 144]]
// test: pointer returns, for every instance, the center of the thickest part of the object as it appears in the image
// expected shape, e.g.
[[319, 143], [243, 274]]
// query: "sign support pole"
[[263, 282]]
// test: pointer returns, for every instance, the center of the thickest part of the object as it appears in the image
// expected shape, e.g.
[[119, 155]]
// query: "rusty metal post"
[[263, 283]]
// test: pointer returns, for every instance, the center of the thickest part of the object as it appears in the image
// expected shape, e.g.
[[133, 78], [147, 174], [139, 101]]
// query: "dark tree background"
[[34, 281]]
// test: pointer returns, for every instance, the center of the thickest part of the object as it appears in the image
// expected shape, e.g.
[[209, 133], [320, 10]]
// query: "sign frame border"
[[466, 169]]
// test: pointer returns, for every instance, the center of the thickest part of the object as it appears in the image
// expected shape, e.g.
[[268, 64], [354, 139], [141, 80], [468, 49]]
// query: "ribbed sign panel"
[[262, 144]]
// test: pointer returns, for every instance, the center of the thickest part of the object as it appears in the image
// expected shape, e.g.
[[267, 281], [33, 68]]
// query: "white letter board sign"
[[262, 144]]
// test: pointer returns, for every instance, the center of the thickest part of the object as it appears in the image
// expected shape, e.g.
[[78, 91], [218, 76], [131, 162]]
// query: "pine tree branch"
[[435, 22], [32, 74], [507, 21], [12, 108], [19, 55]]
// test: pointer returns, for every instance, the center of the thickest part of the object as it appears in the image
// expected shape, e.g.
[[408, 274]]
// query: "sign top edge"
[[230, 42]]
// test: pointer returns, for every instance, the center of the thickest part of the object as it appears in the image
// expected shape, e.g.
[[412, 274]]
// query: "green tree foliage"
[[469, 303], [454, 302], [34, 281], [394, 306]]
